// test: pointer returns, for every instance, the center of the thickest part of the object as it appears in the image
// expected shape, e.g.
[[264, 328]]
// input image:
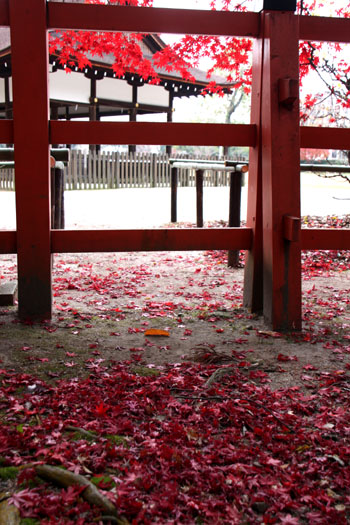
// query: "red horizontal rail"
[[189, 21], [326, 138], [67, 132], [8, 241], [324, 29], [183, 134], [4, 13], [325, 239], [75, 16], [74, 241], [66, 241], [6, 131], [151, 20]]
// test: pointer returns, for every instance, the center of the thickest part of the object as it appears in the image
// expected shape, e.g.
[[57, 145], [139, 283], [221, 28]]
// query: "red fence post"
[[280, 170], [29, 49], [253, 273]]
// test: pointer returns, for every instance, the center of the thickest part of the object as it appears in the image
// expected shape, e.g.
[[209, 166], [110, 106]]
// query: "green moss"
[[29, 521], [117, 440], [8, 472], [144, 371], [87, 435], [106, 481], [31, 483]]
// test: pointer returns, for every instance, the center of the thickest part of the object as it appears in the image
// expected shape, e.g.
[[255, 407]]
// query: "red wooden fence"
[[272, 238]]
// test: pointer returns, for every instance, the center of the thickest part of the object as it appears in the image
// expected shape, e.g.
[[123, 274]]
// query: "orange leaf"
[[155, 331]]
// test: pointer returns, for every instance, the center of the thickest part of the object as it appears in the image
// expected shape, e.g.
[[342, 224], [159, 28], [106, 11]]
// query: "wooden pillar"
[[54, 113], [280, 170], [173, 175], [57, 198], [253, 270], [199, 197], [169, 118], [8, 106], [31, 138], [234, 219], [133, 114], [67, 117], [93, 112], [54, 116]]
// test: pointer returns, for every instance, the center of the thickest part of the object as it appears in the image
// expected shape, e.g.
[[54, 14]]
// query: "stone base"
[[8, 293]]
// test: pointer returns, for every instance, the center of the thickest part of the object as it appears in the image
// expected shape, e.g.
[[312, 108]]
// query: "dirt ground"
[[105, 303]]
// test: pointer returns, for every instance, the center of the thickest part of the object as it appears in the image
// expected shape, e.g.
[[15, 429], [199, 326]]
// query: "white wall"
[[71, 87]]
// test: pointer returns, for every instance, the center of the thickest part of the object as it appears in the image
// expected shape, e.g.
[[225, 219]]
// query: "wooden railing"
[[113, 170], [272, 237]]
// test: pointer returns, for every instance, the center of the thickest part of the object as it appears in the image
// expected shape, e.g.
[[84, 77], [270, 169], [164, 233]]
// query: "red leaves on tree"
[[229, 56]]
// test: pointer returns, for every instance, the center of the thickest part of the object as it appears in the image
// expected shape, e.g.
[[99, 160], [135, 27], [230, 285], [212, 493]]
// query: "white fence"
[[91, 171]]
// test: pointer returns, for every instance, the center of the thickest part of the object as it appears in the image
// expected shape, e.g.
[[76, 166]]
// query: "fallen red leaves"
[[313, 262], [162, 446], [165, 449]]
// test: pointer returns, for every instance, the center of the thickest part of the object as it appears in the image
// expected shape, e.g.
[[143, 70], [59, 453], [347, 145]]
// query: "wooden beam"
[[8, 241], [325, 239], [324, 138], [59, 154], [156, 133], [6, 131], [151, 20], [75, 241], [4, 13], [311, 239], [324, 29]]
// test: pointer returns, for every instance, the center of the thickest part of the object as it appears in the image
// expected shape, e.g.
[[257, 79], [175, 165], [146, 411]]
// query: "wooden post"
[[280, 170], [93, 112], [61, 179], [57, 198], [169, 147], [133, 113], [173, 174], [31, 134], [8, 108], [199, 197], [53, 198], [54, 116], [234, 219], [253, 269]]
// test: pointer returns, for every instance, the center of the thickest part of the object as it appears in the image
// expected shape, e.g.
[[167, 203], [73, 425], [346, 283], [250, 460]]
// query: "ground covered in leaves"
[[159, 399]]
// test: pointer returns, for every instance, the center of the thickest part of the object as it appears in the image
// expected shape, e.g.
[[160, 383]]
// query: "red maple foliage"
[[229, 56]]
